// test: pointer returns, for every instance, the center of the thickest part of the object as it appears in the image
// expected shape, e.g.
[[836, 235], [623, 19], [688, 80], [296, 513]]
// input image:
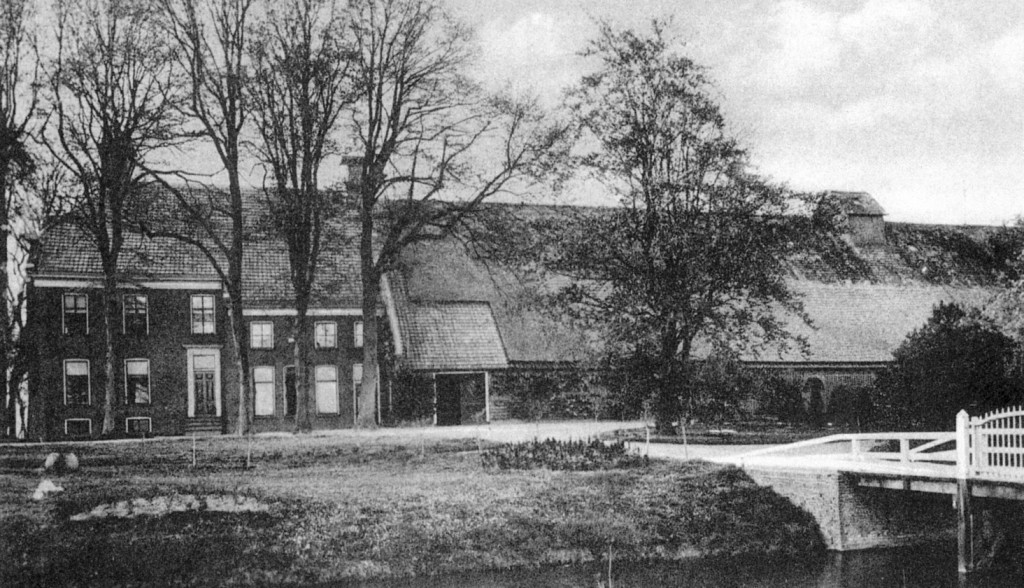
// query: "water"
[[932, 566]]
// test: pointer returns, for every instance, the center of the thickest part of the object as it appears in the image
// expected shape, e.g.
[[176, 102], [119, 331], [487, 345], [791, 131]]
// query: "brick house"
[[175, 372]]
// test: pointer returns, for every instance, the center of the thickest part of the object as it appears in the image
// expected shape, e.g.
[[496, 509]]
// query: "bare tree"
[[113, 97], [211, 43], [300, 86], [431, 145], [18, 100]]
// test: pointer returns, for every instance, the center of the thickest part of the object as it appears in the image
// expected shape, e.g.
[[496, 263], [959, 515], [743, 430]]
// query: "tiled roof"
[[448, 335], [444, 271], [68, 252]]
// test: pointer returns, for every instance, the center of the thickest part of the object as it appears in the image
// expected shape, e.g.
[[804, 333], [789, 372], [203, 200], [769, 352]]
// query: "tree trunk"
[[9, 401], [109, 332], [246, 398], [304, 408], [238, 343], [667, 397], [367, 416]]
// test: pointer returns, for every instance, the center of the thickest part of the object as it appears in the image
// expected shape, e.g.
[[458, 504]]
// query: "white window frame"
[[316, 335], [213, 314], [357, 334], [252, 333], [149, 380], [316, 388], [273, 390], [64, 311], [124, 311], [137, 418], [78, 420], [88, 380]]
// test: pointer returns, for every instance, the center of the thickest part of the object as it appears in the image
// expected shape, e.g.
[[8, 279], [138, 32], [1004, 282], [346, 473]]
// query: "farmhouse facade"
[[174, 369], [458, 320]]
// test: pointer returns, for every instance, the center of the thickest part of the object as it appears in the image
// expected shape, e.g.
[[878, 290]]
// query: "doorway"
[[460, 398]]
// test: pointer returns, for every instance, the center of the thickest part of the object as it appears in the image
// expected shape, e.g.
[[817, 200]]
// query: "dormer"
[[864, 216]]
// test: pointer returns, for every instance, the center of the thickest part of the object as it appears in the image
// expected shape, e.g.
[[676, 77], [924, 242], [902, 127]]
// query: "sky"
[[918, 102]]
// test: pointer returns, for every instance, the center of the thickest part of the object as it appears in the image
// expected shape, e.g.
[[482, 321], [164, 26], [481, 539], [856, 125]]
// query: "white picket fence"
[[991, 445]]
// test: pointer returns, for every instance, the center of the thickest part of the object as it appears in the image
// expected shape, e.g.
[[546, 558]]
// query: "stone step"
[[204, 426]]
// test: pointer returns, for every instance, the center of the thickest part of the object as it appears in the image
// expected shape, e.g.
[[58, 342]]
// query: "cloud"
[[537, 51]]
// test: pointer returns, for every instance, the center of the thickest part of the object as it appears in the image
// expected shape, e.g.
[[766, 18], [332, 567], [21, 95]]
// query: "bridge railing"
[[899, 447], [986, 446], [991, 445]]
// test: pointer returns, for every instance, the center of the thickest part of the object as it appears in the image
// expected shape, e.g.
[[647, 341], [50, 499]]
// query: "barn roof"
[[863, 323]]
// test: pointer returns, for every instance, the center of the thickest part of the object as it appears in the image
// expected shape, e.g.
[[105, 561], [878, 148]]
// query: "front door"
[[204, 382]]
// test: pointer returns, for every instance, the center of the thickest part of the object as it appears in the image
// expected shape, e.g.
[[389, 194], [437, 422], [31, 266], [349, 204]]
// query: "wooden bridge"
[[983, 458]]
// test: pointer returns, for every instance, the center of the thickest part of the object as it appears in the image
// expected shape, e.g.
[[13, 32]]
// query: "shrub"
[[412, 397], [851, 406], [562, 455], [781, 398], [561, 394]]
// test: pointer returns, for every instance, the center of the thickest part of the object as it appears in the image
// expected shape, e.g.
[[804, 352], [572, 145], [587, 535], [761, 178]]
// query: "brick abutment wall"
[[851, 517]]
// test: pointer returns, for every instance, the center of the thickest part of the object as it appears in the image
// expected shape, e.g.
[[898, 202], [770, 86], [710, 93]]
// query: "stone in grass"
[[46, 487], [60, 464]]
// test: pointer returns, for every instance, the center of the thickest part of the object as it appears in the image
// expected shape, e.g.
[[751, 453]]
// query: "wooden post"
[[904, 450], [487, 396], [964, 533]]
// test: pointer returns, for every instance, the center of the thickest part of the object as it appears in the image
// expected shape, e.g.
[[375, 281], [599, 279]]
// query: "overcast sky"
[[919, 102]]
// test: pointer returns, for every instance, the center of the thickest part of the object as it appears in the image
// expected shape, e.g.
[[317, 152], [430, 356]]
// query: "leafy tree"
[[114, 96], [299, 88], [697, 247], [420, 128], [958, 360]]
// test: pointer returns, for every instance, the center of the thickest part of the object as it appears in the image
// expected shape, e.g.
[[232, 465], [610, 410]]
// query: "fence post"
[[964, 534], [904, 450]]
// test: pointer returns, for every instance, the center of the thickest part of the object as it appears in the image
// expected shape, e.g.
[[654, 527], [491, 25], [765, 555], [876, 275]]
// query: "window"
[[136, 314], [357, 384], [76, 381], [78, 427], [261, 335], [138, 425], [357, 334], [136, 381], [325, 335], [76, 314], [327, 389], [202, 314], [263, 384]]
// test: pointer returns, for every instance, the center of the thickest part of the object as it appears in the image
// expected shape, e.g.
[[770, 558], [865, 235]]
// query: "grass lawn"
[[337, 510]]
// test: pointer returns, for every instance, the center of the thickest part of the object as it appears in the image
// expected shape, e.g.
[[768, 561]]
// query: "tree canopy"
[[696, 249], [958, 360]]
